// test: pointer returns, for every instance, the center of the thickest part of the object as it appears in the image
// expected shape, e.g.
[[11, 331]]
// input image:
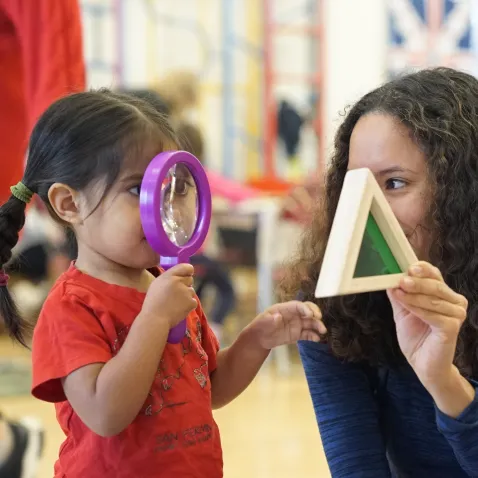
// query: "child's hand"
[[171, 296], [289, 322]]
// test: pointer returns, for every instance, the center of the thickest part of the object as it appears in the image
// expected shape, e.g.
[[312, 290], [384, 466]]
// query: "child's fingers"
[[188, 281], [277, 318], [310, 335], [314, 308], [303, 310], [292, 309], [315, 325], [295, 309], [180, 270]]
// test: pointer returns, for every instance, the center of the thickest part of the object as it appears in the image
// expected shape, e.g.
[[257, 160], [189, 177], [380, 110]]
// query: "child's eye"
[[182, 186], [395, 183], [136, 190]]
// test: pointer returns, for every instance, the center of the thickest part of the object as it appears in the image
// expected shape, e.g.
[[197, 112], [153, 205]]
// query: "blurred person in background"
[[208, 272], [299, 203], [41, 59], [179, 90]]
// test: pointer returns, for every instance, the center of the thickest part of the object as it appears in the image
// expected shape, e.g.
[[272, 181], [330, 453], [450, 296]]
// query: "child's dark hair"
[[152, 97], [80, 140], [440, 109], [190, 136]]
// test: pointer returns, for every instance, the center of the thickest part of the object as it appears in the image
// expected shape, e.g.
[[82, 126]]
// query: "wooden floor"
[[272, 425]]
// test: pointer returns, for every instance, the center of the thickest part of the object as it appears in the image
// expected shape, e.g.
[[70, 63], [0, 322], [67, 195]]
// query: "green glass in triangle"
[[375, 257]]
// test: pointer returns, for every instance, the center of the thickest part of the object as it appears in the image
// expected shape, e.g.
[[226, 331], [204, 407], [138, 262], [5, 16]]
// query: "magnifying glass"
[[175, 208]]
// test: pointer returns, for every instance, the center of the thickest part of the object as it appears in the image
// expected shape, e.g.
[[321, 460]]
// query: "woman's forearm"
[[457, 417], [453, 394]]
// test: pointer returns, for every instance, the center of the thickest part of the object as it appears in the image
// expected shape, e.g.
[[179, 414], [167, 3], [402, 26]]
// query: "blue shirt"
[[379, 423]]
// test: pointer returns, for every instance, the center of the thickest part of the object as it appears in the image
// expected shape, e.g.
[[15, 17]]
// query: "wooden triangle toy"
[[367, 249]]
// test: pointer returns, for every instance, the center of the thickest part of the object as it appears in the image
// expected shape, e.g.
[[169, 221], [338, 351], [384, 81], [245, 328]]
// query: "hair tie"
[[22, 193], [3, 278]]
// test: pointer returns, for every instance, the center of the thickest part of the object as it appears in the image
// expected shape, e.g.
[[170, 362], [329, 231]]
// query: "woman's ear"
[[65, 201]]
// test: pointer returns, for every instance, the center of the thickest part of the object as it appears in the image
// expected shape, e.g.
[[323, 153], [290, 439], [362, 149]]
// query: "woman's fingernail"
[[416, 270], [409, 282]]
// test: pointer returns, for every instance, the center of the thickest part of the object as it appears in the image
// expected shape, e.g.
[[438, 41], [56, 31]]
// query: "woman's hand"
[[287, 323], [428, 317]]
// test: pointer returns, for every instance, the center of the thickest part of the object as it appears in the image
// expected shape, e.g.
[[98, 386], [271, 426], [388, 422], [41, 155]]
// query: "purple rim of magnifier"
[[150, 203]]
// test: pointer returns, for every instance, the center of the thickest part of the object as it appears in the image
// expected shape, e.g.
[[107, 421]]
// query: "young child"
[[129, 403]]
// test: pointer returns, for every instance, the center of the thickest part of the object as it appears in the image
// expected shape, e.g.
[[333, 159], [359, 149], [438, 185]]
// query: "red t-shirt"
[[85, 321]]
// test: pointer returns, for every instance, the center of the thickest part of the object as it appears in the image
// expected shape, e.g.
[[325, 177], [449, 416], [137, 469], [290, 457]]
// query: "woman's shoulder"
[[321, 352], [318, 359]]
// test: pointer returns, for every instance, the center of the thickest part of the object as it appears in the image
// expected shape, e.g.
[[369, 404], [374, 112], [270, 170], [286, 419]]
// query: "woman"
[[394, 384]]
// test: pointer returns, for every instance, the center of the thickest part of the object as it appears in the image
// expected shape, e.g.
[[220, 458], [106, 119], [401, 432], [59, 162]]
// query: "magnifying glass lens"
[[179, 208]]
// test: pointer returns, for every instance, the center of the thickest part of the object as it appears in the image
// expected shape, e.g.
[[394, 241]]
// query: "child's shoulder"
[[81, 294], [70, 282], [70, 289]]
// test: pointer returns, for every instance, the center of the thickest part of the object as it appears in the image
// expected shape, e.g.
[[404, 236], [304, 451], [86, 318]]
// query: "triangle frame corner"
[[336, 276]]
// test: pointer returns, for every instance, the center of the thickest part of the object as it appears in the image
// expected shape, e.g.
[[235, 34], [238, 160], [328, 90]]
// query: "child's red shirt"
[[86, 321]]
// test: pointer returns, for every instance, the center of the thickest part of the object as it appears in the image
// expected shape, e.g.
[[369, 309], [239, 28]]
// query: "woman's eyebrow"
[[394, 170]]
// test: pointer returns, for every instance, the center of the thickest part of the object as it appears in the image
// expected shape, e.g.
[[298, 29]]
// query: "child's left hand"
[[287, 323]]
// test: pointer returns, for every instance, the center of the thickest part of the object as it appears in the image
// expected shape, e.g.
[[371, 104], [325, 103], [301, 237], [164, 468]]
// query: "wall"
[[356, 49], [101, 38], [135, 41]]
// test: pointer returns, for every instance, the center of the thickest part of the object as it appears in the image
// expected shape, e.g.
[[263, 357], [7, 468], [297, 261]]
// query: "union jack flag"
[[426, 33]]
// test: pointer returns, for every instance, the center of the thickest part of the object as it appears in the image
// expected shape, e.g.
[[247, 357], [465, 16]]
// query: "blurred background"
[[264, 84]]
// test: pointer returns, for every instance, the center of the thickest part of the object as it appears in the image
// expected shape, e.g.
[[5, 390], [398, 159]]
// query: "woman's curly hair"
[[440, 109]]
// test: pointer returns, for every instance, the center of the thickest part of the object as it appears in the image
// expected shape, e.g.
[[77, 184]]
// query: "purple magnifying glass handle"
[[176, 334], [151, 204]]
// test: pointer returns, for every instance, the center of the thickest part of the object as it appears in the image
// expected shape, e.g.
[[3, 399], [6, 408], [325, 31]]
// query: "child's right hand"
[[171, 296]]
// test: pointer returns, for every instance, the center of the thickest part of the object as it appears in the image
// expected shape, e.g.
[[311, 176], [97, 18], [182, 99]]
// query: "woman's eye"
[[136, 190], [395, 183]]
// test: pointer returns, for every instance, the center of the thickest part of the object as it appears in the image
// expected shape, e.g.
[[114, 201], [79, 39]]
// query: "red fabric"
[[41, 59], [85, 321]]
